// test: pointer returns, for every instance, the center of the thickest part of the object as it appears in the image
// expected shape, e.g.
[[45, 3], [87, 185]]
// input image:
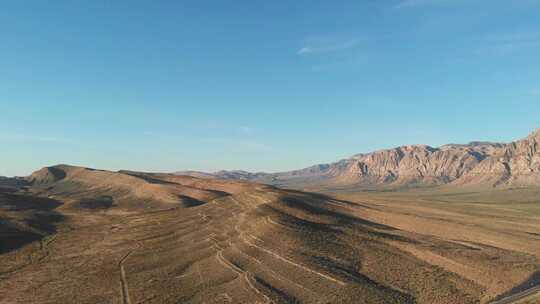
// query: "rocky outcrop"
[[476, 163], [515, 164], [47, 175]]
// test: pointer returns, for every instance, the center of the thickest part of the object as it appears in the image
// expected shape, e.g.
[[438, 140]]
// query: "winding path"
[[123, 280]]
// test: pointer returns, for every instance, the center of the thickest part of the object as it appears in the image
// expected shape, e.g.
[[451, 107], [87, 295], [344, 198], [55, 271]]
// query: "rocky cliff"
[[488, 164]]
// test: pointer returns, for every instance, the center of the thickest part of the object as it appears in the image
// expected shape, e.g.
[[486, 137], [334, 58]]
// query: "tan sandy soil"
[[249, 243]]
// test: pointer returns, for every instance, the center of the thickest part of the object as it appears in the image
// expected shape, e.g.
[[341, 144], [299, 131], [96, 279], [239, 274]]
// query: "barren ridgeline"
[[474, 165], [276, 152], [131, 237]]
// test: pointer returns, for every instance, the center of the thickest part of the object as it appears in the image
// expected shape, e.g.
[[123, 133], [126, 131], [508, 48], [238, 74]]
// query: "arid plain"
[[77, 235], [270, 152]]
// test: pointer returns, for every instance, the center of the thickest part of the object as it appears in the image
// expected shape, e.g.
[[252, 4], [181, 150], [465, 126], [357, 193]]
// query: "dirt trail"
[[440, 261], [279, 257], [248, 281], [227, 264], [273, 254], [276, 275], [123, 280], [240, 272], [269, 220], [267, 247]]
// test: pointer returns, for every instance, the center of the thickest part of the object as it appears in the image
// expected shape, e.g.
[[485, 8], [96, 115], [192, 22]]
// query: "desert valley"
[[270, 152], [414, 224]]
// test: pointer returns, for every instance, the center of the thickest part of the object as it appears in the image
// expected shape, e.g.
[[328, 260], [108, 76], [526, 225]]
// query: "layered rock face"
[[416, 164], [516, 164], [477, 163]]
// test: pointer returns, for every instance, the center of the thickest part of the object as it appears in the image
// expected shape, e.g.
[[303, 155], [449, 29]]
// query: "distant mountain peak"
[[535, 134], [476, 163]]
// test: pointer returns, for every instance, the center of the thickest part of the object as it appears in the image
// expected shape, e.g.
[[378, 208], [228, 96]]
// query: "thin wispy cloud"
[[333, 51], [322, 46]]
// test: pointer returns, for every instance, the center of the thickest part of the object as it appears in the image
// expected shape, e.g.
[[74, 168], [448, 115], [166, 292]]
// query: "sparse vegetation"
[[248, 242]]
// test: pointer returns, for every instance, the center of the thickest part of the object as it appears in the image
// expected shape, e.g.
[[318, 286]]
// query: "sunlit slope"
[[99, 189], [260, 244], [130, 237]]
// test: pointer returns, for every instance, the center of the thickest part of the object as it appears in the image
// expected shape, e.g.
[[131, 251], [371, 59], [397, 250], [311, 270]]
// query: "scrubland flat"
[[80, 235], [270, 152]]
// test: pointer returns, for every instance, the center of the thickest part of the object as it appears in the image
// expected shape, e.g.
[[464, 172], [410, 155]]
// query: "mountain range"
[[483, 164], [127, 236]]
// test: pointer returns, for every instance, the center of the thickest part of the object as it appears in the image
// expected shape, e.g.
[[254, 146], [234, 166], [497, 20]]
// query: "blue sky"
[[259, 85]]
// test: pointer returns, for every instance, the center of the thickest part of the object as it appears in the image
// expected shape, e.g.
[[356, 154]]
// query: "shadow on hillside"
[[97, 203], [188, 202], [532, 281], [25, 219]]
